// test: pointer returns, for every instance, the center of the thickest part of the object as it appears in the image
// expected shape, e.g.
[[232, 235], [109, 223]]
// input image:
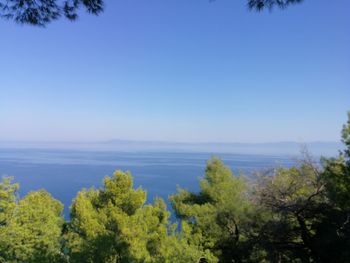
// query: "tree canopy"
[[217, 217], [297, 214], [31, 227], [113, 224], [42, 12]]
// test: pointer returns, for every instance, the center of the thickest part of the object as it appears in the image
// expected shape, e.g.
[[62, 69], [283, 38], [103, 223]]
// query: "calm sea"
[[64, 172]]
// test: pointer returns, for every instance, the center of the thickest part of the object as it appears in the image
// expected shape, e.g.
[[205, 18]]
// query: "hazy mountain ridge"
[[287, 147]]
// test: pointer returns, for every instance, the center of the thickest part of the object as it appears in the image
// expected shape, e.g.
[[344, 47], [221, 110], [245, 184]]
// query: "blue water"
[[64, 172]]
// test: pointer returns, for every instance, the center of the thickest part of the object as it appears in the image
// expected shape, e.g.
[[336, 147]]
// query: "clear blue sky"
[[179, 70]]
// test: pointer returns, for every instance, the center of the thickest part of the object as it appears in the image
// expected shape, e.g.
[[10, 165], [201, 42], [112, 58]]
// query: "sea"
[[65, 172]]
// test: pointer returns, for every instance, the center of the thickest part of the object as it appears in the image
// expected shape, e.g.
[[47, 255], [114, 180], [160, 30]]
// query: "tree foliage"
[[42, 12], [8, 199], [260, 5], [113, 224], [309, 210], [297, 214], [216, 217], [31, 227]]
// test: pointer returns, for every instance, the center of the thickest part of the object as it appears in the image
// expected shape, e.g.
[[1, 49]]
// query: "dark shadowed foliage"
[[42, 12], [270, 4]]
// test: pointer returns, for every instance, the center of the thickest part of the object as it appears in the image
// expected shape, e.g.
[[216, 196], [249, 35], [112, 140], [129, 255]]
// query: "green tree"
[[32, 229], [218, 217], [113, 224], [308, 210], [337, 173], [293, 200], [335, 230], [8, 198]]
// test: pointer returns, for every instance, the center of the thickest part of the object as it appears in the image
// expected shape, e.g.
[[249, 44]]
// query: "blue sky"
[[179, 70]]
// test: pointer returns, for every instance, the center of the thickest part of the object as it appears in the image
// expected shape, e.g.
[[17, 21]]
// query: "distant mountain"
[[292, 148], [275, 148]]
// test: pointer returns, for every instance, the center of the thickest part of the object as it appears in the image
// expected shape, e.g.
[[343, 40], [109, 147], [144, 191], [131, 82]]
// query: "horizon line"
[[164, 141]]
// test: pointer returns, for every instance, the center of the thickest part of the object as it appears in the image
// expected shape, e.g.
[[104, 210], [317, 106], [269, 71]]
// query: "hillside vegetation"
[[300, 214]]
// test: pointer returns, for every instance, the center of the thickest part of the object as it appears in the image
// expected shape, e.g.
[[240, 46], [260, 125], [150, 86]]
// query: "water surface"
[[64, 172]]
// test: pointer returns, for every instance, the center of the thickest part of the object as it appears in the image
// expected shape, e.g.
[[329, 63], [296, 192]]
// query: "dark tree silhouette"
[[42, 12], [270, 4]]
